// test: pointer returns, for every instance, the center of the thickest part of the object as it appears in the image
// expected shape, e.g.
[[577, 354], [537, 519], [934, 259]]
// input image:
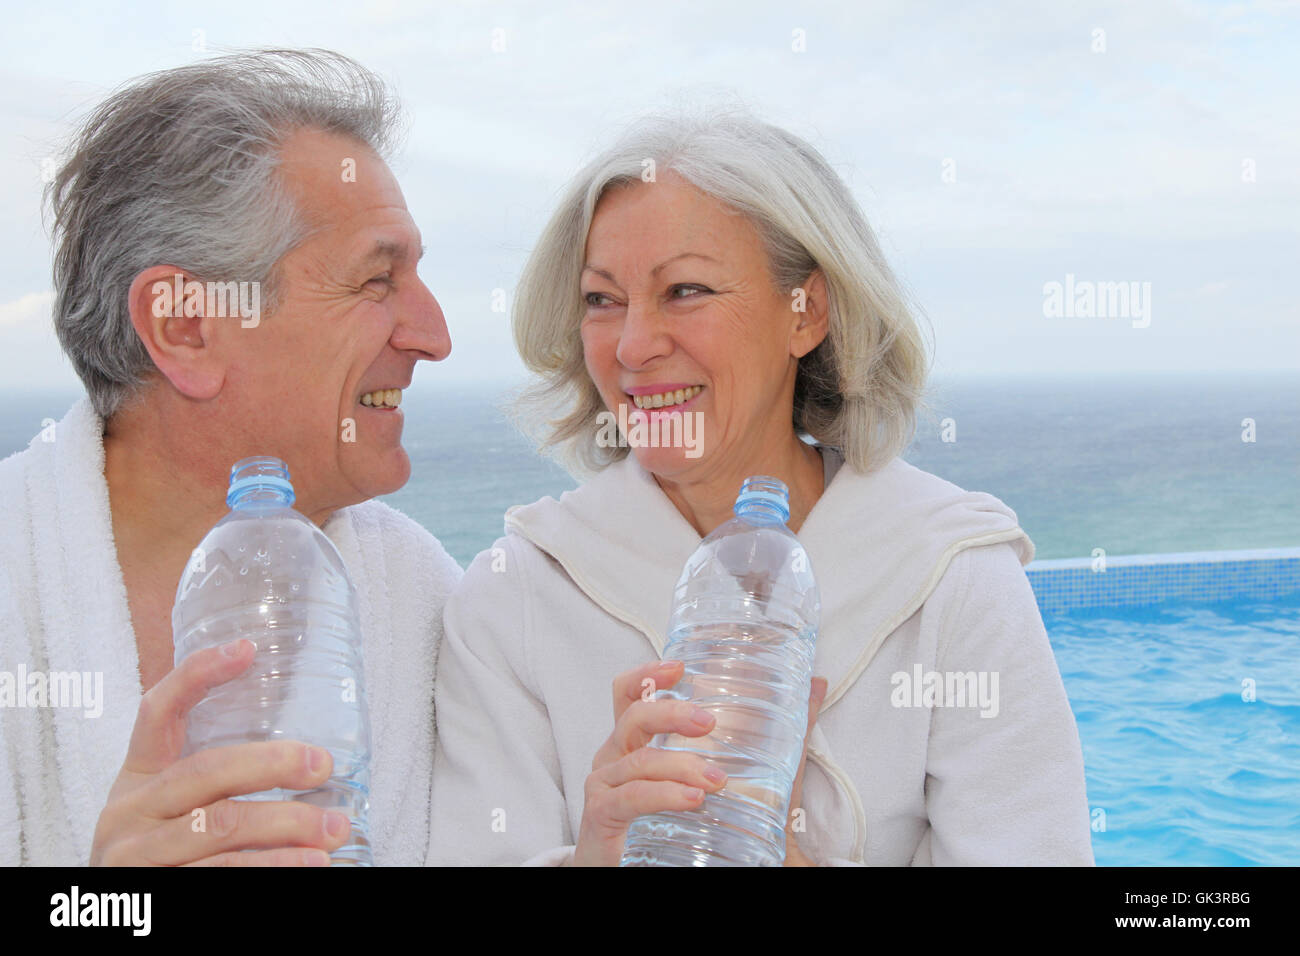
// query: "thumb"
[[815, 698], [816, 695]]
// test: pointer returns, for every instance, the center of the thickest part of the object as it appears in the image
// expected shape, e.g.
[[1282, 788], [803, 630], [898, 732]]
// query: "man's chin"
[[382, 474]]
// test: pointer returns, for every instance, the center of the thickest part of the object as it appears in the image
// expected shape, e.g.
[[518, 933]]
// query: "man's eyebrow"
[[385, 250], [656, 270]]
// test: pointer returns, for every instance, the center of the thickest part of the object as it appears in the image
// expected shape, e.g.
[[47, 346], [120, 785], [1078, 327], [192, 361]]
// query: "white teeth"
[[383, 397], [667, 399]]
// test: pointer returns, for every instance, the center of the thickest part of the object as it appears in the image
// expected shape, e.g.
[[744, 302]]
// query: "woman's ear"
[[168, 310], [811, 309]]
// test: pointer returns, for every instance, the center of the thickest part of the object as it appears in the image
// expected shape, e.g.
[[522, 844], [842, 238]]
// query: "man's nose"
[[644, 336], [421, 326]]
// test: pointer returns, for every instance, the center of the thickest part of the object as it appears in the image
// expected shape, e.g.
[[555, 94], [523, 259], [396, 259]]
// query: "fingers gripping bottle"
[[265, 572], [744, 621]]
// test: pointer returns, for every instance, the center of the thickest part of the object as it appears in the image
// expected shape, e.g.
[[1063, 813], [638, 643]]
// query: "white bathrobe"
[[916, 576], [63, 608]]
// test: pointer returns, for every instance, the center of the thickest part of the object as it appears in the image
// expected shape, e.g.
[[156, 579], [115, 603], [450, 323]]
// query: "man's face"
[[352, 319]]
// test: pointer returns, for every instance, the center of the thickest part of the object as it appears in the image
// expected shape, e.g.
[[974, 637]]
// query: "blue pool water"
[[1188, 772]]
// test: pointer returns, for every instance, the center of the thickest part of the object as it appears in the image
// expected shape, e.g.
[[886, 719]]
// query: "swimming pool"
[[1189, 715]]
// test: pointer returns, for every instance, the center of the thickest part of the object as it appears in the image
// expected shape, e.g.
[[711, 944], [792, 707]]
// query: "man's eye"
[[385, 280]]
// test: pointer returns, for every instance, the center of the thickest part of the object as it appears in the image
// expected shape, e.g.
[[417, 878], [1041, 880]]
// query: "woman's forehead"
[[667, 219]]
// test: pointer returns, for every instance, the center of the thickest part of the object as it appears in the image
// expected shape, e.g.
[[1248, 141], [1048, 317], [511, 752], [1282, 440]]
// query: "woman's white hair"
[[859, 390]]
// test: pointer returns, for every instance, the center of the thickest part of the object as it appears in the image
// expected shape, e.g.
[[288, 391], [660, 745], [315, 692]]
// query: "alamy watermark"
[[946, 689], [1100, 300], [83, 689], [212, 299], [130, 910], [638, 429]]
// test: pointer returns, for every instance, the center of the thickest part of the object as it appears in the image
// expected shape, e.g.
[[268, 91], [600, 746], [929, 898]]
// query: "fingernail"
[[315, 858], [714, 774], [231, 649], [668, 665], [315, 759], [694, 793], [336, 824], [701, 718]]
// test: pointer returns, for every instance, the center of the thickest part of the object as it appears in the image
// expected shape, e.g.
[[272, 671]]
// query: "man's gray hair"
[[178, 168]]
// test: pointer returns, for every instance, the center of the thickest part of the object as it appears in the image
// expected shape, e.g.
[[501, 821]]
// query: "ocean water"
[[1131, 466]]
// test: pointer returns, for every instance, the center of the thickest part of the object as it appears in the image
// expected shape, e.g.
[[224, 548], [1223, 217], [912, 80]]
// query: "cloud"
[[31, 357], [30, 309]]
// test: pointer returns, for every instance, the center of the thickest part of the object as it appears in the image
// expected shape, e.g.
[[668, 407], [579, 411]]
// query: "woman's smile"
[[664, 397]]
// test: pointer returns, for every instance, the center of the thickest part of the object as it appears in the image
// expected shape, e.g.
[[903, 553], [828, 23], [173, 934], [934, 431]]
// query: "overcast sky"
[[995, 148]]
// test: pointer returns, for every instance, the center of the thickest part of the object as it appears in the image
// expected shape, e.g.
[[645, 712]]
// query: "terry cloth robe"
[[916, 576], [63, 608]]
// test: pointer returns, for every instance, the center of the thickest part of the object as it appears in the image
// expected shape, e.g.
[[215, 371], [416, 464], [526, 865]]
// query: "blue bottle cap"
[[263, 477], [762, 495]]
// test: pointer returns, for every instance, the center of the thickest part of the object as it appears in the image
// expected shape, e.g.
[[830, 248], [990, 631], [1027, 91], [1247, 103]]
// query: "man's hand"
[[163, 810]]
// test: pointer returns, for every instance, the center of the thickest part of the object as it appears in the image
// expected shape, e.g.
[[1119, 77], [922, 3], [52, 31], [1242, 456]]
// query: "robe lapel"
[[878, 544], [85, 615]]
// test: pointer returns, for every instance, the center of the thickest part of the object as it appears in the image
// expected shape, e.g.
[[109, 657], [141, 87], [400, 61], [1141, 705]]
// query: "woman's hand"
[[793, 855], [166, 811], [629, 779]]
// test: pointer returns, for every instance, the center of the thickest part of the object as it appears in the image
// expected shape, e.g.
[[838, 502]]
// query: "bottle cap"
[[762, 495], [261, 477]]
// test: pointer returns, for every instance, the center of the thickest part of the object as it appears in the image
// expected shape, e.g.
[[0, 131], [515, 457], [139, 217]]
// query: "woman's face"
[[682, 313]]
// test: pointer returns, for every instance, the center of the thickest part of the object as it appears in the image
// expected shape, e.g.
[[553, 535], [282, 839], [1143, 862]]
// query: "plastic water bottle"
[[265, 572], [744, 621]]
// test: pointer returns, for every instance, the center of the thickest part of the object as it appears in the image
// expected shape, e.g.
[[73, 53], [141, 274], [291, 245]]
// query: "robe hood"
[[878, 543]]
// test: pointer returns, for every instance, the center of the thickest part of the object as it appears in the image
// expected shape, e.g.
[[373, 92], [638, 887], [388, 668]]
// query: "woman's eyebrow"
[[657, 269], [681, 255]]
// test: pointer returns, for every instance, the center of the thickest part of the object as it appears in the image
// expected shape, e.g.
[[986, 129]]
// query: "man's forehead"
[[334, 178]]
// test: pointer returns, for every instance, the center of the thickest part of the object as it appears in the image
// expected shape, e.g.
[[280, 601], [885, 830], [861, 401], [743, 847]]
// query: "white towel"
[[63, 608]]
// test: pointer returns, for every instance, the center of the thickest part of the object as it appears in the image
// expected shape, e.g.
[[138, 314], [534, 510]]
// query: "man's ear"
[[811, 309], [168, 311]]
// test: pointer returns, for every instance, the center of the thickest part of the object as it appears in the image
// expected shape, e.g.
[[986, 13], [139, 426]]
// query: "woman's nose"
[[644, 336]]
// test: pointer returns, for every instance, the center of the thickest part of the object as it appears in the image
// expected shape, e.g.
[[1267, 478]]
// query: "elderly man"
[[262, 174]]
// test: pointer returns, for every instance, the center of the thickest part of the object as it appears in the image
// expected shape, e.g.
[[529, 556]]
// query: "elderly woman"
[[719, 268]]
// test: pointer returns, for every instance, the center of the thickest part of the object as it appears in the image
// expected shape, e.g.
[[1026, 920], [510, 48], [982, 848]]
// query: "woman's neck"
[[707, 502]]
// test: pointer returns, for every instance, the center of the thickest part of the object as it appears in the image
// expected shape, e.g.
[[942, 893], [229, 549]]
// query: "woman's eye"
[[689, 289], [593, 298]]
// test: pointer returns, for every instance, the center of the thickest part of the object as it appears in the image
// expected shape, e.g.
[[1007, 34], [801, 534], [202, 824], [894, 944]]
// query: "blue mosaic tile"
[[1132, 580]]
